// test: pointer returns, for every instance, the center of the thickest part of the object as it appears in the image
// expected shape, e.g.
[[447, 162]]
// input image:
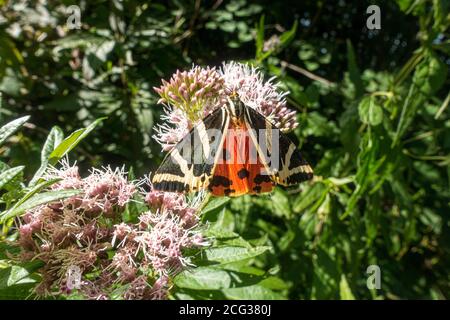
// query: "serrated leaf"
[[220, 233], [255, 292], [370, 112], [15, 275], [33, 191], [38, 199], [54, 138], [8, 129], [430, 75], [214, 204], [225, 255], [71, 142], [203, 279], [8, 175]]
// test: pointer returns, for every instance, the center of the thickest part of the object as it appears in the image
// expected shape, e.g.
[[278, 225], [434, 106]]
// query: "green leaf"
[[255, 292], [287, 36], [282, 206], [214, 204], [15, 275], [203, 278], [307, 198], [71, 142], [8, 175], [326, 276], [344, 289], [306, 52], [6, 248], [430, 74], [18, 292], [34, 190], [225, 255], [11, 127], [20, 206], [260, 39], [38, 199], [242, 267], [54, 138], [370, 112], [404, 4], [284, 39], [274, 283], [355, 74], [218, 233], [225, 221]]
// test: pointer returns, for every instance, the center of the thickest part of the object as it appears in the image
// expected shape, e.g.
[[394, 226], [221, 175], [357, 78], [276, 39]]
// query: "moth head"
[[236, 107]]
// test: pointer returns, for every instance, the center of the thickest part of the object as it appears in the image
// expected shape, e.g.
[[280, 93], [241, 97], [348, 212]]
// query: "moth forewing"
[[190, 164], [289, 167], [263, 150]]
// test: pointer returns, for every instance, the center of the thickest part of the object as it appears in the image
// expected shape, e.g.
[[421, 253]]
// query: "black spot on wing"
[[227, 192], [243, 173], [220, 181], [260, 178]]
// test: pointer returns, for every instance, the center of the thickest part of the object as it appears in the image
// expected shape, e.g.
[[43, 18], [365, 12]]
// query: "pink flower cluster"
[[88, 232], [103, 190], [191, 95], [263, 96]]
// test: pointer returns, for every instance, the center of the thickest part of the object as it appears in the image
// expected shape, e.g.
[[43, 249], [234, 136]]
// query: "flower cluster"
[[88, 232], [192, 91], [103, 190], [191, 95], [195, 94]]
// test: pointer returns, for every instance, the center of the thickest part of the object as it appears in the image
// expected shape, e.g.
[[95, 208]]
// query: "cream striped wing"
[[191, 163], [282, 159]]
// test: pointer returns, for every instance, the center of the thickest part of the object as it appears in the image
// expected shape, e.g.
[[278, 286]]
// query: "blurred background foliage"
[[372, 107]]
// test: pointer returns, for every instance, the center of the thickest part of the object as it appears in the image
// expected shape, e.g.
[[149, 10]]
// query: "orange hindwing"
[[239, 169]]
